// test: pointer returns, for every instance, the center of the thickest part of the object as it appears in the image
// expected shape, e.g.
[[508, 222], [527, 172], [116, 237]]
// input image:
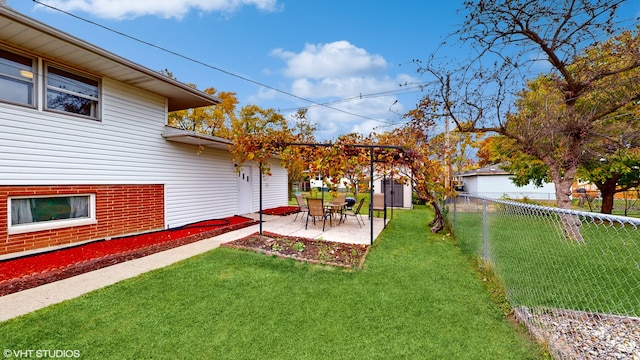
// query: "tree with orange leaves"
[[210, 120], [258, 135], [342, 161], [420, 162], [297, 159]]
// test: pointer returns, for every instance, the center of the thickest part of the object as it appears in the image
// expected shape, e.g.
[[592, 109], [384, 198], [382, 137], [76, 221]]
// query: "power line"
[[205, 64], [414, 88]]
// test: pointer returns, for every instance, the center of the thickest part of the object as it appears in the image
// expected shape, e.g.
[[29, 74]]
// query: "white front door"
[[245, 181]]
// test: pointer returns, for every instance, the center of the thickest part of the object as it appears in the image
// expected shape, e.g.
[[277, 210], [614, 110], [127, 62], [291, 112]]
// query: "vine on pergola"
[[404, 153]]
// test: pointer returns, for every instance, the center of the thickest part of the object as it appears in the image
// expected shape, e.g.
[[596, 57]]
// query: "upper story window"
[[16, 78], [71, 93]]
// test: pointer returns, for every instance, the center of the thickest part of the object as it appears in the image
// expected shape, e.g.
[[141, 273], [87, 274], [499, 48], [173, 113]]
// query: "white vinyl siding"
[[496, 186], [199, 186], [45, 148], [274, 187]]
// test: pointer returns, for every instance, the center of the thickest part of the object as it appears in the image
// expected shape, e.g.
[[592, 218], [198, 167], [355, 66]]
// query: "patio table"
[[335, 208]]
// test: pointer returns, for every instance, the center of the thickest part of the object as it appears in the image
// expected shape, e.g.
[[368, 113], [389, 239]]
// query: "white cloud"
[[347, 86], [119, 9], [355, 85], [336, 59]]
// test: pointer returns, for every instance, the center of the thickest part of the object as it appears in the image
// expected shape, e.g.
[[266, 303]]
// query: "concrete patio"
[[347, 231], [27, 301]]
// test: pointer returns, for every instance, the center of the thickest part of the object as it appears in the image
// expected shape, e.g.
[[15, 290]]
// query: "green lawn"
[[622, 207], [417, 297], [541, 268]]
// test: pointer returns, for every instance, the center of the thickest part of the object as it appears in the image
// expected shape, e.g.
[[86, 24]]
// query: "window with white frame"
[[50, 212], [71, 93], [16, 78]]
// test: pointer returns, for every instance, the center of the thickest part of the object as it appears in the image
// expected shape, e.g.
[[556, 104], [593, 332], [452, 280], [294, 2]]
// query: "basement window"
[[28, 214]]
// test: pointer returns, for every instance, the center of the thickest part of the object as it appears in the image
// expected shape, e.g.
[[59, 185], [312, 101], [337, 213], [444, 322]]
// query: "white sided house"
[[86, 154], [493, 182], [396, 194]]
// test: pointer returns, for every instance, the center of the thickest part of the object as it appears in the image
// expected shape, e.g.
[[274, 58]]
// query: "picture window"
[[50, 212]]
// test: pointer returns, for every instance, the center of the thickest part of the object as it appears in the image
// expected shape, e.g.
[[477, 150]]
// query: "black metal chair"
[[356, 213]]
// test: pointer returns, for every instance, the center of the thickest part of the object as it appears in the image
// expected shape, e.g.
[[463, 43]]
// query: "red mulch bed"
[[325, 252], [38, 269], [282, 210]]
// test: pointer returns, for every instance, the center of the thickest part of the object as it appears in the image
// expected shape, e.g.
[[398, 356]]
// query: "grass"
[[541, 268], [416, 297], [622, 207]]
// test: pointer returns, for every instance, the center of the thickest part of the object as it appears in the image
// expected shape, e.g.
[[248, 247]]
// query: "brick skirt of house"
[[120, 210]]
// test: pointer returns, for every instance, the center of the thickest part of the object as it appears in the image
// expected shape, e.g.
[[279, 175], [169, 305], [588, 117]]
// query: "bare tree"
[[514, 42]]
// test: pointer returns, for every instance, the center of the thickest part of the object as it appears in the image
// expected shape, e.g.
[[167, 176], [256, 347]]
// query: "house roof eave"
[[194, 138], [30, 35], [485, 171]]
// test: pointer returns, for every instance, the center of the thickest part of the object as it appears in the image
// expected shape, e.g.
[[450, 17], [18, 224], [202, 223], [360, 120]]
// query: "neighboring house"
[[493, 182], [396, 194], [85, 151]]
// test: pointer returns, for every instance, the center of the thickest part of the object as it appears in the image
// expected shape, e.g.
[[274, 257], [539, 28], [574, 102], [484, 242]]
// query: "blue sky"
[[355, 55], [356, 52]]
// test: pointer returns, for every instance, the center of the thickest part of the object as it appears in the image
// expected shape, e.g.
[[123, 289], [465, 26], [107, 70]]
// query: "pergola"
[[371, 170]]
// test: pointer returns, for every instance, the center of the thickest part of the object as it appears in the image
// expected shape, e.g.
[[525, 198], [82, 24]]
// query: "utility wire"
[[205, 64], [414, 88]]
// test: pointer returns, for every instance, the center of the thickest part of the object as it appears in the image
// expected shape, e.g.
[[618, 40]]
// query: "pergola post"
[[371, 153], [260, 191], [371, 197]]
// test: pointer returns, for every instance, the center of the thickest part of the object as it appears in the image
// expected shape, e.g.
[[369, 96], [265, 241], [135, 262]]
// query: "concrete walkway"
[[29, 300]]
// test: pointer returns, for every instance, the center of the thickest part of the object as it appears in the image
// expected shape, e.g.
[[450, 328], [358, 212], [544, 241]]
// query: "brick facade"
[[120, 210]]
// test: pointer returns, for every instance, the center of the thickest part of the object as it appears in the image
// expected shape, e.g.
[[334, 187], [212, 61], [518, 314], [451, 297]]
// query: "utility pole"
[[447, 153]]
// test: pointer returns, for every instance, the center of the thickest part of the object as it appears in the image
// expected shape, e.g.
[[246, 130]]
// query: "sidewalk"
[[29, 300]]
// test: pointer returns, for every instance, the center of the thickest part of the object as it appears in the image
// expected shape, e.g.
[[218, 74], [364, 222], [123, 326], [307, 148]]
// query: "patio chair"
[[316, 209], [302, 207], [378, 202], [341, 202], [356, 213]]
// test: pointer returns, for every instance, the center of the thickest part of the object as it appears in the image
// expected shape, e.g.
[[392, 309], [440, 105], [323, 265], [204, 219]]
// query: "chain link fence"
[[572, 278], [625, 203]]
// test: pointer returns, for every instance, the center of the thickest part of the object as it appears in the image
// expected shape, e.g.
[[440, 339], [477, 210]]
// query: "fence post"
[[484, 229], [455, 211]]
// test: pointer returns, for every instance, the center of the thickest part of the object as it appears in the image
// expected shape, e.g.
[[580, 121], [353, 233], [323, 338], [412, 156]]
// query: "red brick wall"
[[120, 210]]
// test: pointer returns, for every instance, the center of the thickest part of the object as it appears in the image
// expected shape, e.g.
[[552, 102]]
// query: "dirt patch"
[[350, 256]]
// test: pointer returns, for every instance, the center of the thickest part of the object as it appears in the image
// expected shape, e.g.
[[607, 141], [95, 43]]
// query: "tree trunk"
[[570, 223], [563, 192], [437, 223], [607, 191], [290, 188], [354, 186], [607, 202]]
